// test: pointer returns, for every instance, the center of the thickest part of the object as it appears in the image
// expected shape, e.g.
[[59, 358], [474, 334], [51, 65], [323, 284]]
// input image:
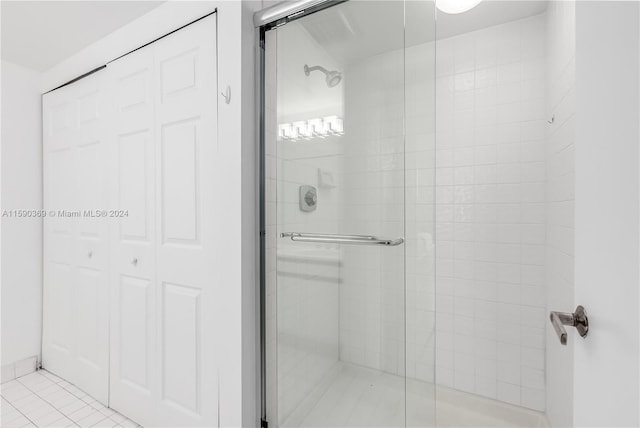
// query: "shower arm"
[[308, 70]]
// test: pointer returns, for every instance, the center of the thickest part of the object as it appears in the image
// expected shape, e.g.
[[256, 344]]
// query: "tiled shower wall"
[[490, 220], [372, 295], [490, 212], [389, 191], [303, 339], [560, 199]]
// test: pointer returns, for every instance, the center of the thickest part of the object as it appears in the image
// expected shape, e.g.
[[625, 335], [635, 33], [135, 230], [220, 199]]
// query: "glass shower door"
[[342, 239]]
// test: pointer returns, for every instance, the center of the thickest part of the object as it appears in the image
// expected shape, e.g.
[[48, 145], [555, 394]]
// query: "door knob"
[[134, 261], [578, 319], [90, 254]]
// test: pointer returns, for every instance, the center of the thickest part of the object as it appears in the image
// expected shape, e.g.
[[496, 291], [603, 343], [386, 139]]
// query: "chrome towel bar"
[[325, 238]]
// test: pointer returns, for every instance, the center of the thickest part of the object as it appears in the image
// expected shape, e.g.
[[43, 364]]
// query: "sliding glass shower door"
[[349, 273]]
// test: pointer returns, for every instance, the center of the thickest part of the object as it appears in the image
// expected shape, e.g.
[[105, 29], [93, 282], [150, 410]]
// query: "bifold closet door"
[[162, 276], [75, 311]]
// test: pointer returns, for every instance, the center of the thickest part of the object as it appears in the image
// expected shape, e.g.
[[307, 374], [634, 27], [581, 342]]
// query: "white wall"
[[560, 158], [606, 389], [21, 237], [490, 213], [236, 136]]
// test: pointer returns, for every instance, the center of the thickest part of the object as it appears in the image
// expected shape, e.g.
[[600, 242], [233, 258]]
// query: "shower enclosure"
[[348, 214]]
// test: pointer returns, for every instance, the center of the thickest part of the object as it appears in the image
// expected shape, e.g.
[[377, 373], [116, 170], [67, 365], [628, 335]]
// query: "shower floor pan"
[[354, 396]]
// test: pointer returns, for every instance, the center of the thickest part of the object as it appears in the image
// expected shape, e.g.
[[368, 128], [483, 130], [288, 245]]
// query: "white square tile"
[[128, 423], [48, 418], [91, 419], [533, 378], [81, 413], [53, 378], [486, 387], [533, 398], [464, 381], [509, 373], [62, 423], [106, 423], [533, 358], [25, 400], [47, 390], [509, 393], [35, 381], [118, 418], [72, 407], [444, 376]]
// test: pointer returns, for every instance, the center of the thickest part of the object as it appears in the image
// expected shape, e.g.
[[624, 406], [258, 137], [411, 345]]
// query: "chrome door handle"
[[327, 238], [578, 319]]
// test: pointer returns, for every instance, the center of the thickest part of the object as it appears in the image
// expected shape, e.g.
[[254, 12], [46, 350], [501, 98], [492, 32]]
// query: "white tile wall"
[[387, 306], [560, 154], [372, 295], [420, 214], [490, 212]]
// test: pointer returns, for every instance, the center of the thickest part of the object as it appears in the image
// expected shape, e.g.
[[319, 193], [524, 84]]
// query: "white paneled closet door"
[[163, 277], [133, 243], [75, 330]]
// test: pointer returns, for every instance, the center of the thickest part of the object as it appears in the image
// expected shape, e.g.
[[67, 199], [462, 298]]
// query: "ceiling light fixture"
[[456, 6]]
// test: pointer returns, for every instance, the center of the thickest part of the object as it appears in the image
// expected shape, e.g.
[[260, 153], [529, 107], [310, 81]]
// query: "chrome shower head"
[[332, 77]]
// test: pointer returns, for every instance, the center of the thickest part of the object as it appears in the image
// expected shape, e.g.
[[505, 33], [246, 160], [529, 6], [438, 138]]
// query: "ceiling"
[[487, 14], [41, 34], [355, 30]]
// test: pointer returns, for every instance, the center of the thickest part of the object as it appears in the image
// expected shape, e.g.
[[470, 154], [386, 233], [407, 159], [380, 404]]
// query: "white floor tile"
[[47, 419], [61, 399], [107, 411], [44, 400], [91, 419], [118, 418], [128, 423], [62, 423], [50, 376], [82, 413], [106, 423], [72, 407]]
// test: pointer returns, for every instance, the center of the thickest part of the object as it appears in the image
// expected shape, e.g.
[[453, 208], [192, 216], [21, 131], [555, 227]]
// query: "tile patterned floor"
[[42, 399]]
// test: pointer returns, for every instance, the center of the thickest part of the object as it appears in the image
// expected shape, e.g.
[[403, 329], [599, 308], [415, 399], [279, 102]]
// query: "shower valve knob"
[[311, 198], [308, 198]]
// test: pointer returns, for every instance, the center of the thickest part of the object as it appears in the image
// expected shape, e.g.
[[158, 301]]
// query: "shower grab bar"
[[326, 238], [578, 319]]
